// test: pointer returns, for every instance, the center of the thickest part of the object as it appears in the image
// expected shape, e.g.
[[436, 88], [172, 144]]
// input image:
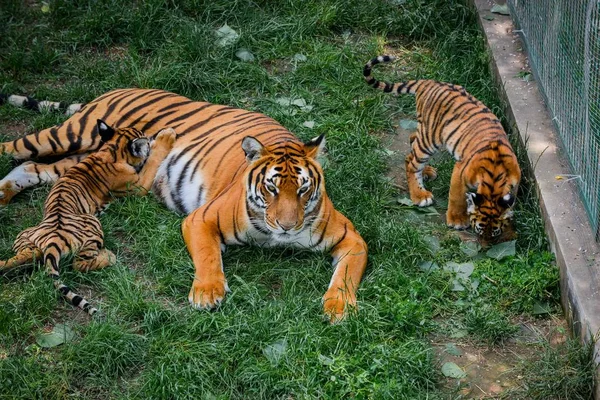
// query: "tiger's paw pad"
[[458, 222], [207, 294], [336, 309], [429, 173], [423, 198]]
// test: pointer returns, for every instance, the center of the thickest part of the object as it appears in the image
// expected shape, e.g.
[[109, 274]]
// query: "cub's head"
[[490, 217], [126, 144], [284, 186]]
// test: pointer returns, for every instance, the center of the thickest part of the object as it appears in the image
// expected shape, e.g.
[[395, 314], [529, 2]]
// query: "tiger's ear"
[[105, 131], [253, 149], [315, 147]]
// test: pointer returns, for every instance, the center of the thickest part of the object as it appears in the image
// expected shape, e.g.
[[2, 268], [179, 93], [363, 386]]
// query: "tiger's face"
[[490, 218], [284, 186], [129, 145]]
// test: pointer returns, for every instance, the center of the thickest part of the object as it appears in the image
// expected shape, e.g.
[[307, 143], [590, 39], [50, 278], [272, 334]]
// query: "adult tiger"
[[69, 225], [248, 178], [486, 174]]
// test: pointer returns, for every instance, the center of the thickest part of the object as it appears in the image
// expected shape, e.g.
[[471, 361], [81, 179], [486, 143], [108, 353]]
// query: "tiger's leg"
[[429, 173], [24, 256], [415, 164], [456, 216], [91, 260], [31, 174], [350, 261], [160, 149], [203, 242]]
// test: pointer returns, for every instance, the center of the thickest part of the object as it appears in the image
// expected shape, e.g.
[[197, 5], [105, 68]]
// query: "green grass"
[[268, 340]]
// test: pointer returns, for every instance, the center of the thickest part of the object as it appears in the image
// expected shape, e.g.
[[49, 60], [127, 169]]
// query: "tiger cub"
[[125, 160], [486, 175]]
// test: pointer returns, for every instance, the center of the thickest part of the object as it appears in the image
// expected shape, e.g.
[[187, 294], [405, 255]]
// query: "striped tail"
[[52, 256], [32, 104], [394, 88]]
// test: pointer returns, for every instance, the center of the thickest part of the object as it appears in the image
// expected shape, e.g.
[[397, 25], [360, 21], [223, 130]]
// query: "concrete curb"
[[570, 234]]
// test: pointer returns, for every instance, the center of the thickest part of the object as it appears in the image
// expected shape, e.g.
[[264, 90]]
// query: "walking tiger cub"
[[486, 174], [125, 161]]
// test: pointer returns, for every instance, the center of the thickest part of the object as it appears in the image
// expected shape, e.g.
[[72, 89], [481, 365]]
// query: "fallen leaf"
[[60, 334], [500, 9], [433, 243], [451, 370], [428, 266], [227, 36], [244, 55], [541, 308], [275, 351], [325, 360], [45, 7], [451, 348], [299, 57], [471, 249], [309, 124], [489, 17], [406, 201], [408, 124], [502, 250]]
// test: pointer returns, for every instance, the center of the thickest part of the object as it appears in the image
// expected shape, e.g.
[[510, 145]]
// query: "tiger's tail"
[[52, 256], [32, 104], [395, 88]]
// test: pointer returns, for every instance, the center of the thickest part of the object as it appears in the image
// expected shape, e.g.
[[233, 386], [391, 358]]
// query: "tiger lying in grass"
[[486, 175], [121, 164], [241, 176]]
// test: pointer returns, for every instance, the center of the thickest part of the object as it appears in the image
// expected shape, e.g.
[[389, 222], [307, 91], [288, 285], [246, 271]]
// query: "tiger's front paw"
[[422, 198], [457, 220], [337, 304], [165, 139], [207, 294]]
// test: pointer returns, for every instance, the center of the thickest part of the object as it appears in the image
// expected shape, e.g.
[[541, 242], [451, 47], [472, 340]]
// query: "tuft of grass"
[[565, 371]]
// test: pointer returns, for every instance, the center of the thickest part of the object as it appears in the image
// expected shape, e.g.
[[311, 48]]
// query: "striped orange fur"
[[120, 165], [242, 178], [486, 175]]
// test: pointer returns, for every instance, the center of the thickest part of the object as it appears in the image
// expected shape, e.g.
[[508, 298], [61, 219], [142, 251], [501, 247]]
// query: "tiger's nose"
[[286, 226]]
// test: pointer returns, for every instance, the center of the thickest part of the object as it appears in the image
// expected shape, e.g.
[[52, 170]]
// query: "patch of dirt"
[[492, 370], [278, 67], [14, 130]]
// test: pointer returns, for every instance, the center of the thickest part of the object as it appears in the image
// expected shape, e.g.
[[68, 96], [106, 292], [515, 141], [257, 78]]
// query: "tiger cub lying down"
[[125, 160], [486, 174]]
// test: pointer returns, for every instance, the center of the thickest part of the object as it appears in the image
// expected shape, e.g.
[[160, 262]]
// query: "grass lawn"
[[269, 339]]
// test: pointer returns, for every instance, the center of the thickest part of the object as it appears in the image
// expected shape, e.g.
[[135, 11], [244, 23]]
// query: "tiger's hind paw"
[[6, 193]]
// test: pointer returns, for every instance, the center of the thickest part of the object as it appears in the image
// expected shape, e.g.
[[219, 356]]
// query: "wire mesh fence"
[[562, 39]]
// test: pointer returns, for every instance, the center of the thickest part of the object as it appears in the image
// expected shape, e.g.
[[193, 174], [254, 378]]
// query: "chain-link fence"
[[562, 39]]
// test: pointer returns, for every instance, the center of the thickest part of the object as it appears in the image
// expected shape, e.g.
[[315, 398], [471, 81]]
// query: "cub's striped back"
[[69, 225]]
